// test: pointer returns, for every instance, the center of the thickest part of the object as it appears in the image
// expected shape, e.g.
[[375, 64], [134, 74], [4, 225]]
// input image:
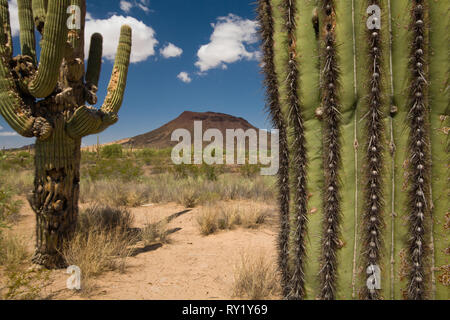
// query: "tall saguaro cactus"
[[361, 88], [47, 101]]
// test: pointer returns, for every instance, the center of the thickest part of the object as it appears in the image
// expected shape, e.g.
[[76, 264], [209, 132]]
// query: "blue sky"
[[198, 55]]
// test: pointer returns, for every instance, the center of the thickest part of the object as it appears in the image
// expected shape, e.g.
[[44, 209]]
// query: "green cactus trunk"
[[61, 119], [366, 110]]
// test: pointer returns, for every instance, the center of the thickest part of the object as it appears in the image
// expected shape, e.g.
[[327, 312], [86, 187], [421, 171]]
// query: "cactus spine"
[[61, 119], [266, 31], [298, 155], [352, 82], [419, 152], [373, 220]]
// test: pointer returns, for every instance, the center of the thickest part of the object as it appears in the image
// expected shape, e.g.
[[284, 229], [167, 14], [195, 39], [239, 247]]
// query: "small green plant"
[[27, 284]]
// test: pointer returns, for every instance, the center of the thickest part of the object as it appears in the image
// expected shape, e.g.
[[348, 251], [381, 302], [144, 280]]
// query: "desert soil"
[[191, 266]]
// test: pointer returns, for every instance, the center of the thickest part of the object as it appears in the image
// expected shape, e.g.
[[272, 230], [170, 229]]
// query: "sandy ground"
[[191, 266]]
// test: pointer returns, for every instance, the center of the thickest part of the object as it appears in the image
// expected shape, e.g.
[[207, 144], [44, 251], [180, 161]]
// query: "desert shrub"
[[114, 192], [189, 198], [104, 217], [16, 161], [211, 173], [13, 251], [19, 182], [155, 232], [254, 277], [102, 242], [166, 187], [112, 151], [124, 170], [27, 284], [249, 170], [223, 216], [9, 208]]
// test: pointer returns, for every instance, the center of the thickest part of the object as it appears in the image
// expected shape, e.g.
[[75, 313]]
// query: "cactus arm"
[[117, 84], [12, 107], [85, 120], [6, 29], [27, 38], [95, 60], [53, 44], [440, 123], [40, 13]]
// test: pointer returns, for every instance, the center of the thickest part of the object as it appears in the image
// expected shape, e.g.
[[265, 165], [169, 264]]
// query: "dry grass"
[[101, 243], [13, 251], [155, 232], [225, 216], [254, 277], [164, 188]]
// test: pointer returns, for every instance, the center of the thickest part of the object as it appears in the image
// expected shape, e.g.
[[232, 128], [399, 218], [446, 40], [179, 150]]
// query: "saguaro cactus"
[[361, 88], [47, 101]]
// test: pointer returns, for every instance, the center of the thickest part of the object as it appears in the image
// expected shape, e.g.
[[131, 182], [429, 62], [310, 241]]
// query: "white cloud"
[[1, 128], [14, 17], [171, 51], [184, 76], [144, 40], [8, 134], [125, 6], [228, 43]]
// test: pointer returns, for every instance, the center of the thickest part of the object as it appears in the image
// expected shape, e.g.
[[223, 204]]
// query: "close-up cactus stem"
[[361, 89]]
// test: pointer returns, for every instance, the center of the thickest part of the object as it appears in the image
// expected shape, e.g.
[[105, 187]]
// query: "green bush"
[[112, 151], [124, 170], [249, 170]]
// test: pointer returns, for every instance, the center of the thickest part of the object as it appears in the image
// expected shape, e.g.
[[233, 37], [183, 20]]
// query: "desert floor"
[[190, 266]]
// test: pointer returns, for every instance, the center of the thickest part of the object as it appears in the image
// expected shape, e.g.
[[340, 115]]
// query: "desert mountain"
[[161, 137]]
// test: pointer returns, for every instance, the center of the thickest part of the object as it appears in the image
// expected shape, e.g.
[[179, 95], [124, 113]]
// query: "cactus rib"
[[419, 170], [266, 31], [332, 155], [373, 196], [298, 156]]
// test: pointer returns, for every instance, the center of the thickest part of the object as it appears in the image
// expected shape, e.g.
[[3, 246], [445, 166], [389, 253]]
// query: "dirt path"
[[191, 266]]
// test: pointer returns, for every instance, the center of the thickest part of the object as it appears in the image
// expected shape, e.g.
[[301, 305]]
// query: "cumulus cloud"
[[170, 51], [1, 128], [144, 41], [126, 6], [229, 43], [184, 76], [14, 17], [8, 134]]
